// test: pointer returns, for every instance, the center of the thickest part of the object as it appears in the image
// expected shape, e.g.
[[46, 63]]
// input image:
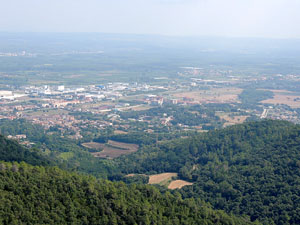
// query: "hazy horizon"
[[150, 35], [277, 19]]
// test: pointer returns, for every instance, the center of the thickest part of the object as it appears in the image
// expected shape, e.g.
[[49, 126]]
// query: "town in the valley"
[[189, 103]]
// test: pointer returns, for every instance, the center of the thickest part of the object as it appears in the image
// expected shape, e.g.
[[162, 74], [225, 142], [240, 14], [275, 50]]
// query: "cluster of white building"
[[9, 95]]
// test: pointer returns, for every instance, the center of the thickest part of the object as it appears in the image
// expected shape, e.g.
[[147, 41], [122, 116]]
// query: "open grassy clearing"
[[178, 184], [162, 179]]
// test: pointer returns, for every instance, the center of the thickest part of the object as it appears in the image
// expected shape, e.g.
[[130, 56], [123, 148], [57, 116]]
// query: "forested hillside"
[[251, 169], [48, 195], [11, 151], [66, 152]]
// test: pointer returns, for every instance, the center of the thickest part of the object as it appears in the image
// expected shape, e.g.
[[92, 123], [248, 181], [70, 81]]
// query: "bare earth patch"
[[178, 184], [161, 178]]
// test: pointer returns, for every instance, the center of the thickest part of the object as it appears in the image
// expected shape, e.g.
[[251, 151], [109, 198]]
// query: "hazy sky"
[[246, 18]]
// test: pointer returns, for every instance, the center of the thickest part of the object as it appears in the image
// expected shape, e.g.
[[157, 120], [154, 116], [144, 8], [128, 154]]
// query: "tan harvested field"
[[178, 184], [218, 95], [112, 149], [162, 178], [283, 98]]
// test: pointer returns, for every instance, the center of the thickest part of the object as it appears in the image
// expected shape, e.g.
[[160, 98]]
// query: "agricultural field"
[[93, 145], [284, 97], [122, 145], [112, 149], [177, 184], [215, 95], [161, 179], [166, 179]]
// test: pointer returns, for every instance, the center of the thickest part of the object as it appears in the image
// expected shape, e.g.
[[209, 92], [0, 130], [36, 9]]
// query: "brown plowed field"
[[112, 149], [123, 145]]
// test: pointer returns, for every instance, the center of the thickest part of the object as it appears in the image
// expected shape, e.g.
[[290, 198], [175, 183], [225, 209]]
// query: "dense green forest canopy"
[[254, 96], [48, 195], [251, 169]]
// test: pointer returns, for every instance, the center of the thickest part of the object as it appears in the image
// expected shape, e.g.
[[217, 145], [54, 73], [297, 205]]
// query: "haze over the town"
[[232, 18], [162, 112]]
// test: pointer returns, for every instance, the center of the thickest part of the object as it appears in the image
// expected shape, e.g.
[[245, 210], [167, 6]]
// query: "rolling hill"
[[249, 169], [48, 195]]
